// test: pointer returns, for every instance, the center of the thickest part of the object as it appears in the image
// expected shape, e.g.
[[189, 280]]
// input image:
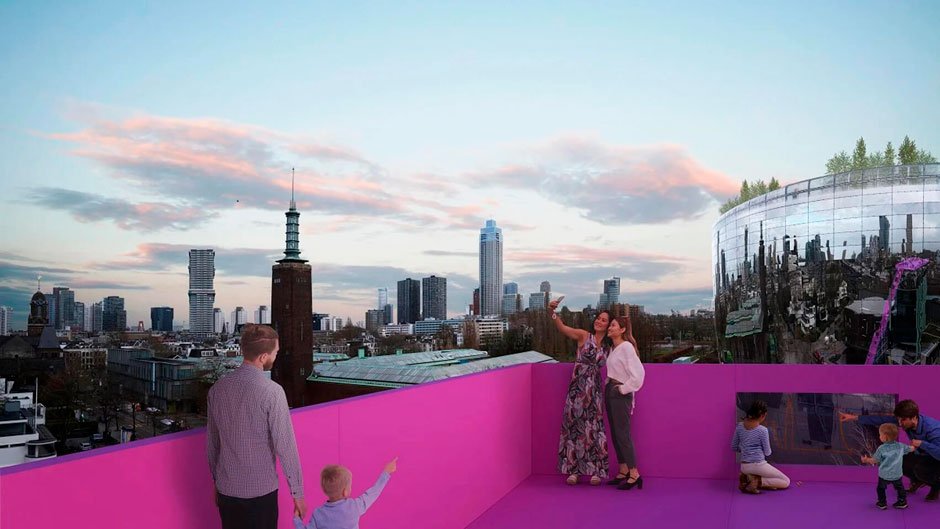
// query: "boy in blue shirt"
[[889, 457], [340, 511]]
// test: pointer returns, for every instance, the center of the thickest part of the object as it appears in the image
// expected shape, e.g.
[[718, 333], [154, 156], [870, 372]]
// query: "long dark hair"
[[624, 322], [606, 342]]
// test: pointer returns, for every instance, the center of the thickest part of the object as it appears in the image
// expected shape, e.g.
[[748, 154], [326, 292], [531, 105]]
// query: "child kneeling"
[[752, 440]]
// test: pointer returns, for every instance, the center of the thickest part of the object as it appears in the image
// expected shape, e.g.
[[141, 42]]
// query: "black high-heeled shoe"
[[627, 485], [617, 480]]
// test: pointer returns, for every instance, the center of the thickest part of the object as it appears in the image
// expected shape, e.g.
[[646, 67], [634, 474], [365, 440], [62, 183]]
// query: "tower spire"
[[292, 243]]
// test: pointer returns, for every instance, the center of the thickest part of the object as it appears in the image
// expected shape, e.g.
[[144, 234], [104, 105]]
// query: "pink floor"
[[546, 502]]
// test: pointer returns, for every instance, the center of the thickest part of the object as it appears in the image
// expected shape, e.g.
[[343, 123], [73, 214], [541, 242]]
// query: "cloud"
[[450, 254], [616, 184], [209, 164], [91, 284], [664, 301], [141, 216], [15, 273], [228, 261]]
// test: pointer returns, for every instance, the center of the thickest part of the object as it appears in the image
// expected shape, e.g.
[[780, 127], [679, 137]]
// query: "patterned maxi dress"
[[582, 449]]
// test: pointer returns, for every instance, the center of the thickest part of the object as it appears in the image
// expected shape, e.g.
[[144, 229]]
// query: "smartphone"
[[560, 299]]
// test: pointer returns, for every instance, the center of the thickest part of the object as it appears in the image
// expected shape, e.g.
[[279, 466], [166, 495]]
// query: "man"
[[922, 466], [249, 425]]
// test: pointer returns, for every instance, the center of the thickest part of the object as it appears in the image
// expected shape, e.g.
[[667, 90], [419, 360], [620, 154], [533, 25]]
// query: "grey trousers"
[[619, 408]]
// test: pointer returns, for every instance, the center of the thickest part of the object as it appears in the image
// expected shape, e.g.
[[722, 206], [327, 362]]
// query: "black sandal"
[[618, 479]]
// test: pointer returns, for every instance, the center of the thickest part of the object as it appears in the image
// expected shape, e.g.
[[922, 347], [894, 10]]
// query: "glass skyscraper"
[[201, 291], [491, 269]]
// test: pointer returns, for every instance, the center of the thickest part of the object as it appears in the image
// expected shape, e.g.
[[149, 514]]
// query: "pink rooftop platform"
[[479, 452]]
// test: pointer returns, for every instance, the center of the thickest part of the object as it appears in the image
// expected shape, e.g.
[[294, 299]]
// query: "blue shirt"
[[889, 457], [927, 431], [345, 513], [754, 445]]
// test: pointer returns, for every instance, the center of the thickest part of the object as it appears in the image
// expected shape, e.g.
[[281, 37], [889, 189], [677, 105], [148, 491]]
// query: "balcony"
[[478, 452]]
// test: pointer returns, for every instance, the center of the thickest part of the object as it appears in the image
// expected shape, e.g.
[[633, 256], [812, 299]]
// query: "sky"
[[601, 138]]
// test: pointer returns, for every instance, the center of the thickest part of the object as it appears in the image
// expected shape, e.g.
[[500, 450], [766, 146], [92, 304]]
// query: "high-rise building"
[[383, 298], [475, 306], [546, 287], [218, 320], [511, 288], [538, 300], [491, 268], [409, 300], [161, 319], [512, 303], [611, 295], [262, 315], [114, 317], [239, 319], [64, 301], [291, 307], [201, 291], [78, 319], [97, 317], [434, 297], [6, 313], [375, 318]]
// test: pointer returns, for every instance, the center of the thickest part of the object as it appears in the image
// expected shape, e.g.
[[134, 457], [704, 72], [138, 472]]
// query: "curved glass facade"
[[798, 272]]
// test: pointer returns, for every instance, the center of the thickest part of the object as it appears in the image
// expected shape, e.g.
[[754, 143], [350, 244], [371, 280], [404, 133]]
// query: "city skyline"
[[601, 152]]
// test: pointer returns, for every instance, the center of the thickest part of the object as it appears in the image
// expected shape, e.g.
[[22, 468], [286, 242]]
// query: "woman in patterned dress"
[[582, 449]]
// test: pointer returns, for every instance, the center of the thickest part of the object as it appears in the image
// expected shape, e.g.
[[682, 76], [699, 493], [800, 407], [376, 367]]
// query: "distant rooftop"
[[395, 371]]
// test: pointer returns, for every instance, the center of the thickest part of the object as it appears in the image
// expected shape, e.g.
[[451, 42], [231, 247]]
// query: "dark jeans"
[[898, 485], [922, 468], [250, 513]]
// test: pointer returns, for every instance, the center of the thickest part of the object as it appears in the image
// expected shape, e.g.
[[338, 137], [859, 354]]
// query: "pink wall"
[[462, 443], [685, 414]]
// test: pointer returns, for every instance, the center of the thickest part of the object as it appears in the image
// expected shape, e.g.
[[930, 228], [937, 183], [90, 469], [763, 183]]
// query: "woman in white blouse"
[[625, 375]]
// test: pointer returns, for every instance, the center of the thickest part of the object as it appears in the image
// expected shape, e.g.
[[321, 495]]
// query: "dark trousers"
[[250, 513], [922, 468], [898, 485], [619, 408]]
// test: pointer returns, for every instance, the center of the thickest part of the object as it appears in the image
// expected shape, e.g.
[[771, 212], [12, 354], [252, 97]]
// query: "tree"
[[907, 153], [889, 154], [839, 163], [745, 193], [924, 157], [773, 185], [860, 155], [875, 159]]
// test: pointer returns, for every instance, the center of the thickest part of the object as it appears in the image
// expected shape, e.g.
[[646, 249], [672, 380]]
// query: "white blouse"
[[624, 366]]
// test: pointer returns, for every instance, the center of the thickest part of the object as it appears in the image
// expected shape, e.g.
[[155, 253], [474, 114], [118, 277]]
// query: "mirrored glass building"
[[836, 269]]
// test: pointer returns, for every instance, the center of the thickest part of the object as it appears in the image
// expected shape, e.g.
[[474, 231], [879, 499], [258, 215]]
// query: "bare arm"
[[575, 334]]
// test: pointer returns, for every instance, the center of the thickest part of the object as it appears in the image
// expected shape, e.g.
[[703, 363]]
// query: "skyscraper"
[[201, 291], [218, 320], [512, 303], [545, 287], [239, 319], [291, 307], [475, 305], [510, 288], [409, 300], [114, 317], [78, 317], [384, 305], [161, 319], [611, 295], [383, 298], [64, 301], [97, 317], [6, 313], [491, 268], [538, 301], [262, 315], [434, 297]]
